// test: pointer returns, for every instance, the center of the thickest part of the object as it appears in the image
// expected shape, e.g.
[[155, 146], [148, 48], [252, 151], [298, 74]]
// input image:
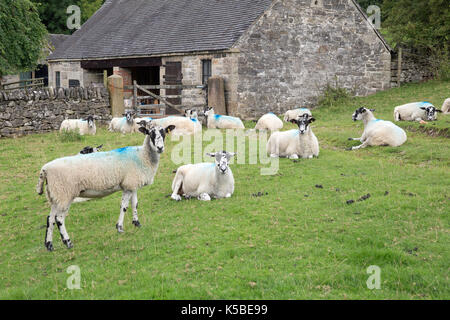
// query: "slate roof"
[[56, 40], [127, 28]]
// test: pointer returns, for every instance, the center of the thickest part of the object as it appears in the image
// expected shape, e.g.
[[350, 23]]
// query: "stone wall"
[[25, 112], [298, 46], [416, 67]]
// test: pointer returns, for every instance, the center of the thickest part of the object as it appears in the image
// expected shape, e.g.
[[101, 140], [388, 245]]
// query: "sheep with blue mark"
[[82, 126], [296, 113], [270, 122], [295, 144], [205, 180], [377, 132], [184, 126], [217, 121], [125, 124], [98, 175], [416, 111]]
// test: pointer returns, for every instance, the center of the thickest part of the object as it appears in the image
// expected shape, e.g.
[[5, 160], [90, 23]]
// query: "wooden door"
[[173, 76]]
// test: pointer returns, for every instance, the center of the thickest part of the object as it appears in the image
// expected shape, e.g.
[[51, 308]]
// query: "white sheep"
[[296, 113], [123, 125], [100, 174], [446, 106], [216, 121], [294, 144], [416, 111], [83, 126], [185, 126], [270, 122], [205, 180], [377, 132]]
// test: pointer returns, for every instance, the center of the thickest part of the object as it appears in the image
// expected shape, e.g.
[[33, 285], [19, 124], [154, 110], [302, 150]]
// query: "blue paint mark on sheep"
[[217, 117]]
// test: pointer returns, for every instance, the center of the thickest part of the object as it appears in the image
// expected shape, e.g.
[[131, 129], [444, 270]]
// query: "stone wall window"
[[58, 79], [206, 71]]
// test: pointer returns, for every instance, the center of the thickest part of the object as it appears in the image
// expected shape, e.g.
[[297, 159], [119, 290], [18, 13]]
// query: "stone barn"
[[272, 54]]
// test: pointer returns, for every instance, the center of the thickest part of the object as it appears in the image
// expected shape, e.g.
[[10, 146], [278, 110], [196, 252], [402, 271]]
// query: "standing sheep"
[[416, 111], [295, 143], [205, 180], [270, 122], [377, 132], [216, 121], [295, 114], [98, 175], [81, 125], [446, 106], [123, 125]]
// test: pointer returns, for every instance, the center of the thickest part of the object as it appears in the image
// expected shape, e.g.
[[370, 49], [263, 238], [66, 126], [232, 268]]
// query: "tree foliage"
[[54, 12], [22, 36]]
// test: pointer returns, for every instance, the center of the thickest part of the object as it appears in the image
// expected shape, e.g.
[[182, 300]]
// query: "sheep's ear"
[[212, 155], [373, 110], [438, 110], [312, 120], [232, 154], [293, 121], [170, 128], [144, 130], [100, 146], [423, 108]]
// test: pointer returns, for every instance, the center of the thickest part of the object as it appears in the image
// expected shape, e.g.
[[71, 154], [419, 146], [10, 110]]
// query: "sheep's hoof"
[[119, 228], [137, 224], [49, 246], [350, 139], [176, 197], [68, 244]]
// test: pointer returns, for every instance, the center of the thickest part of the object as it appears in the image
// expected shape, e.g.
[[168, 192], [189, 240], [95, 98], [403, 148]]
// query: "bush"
[[70, 136], [333, 95]]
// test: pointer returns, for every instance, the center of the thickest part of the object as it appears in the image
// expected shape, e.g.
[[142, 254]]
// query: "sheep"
[[377, 132], [294, 114], [205, 180], [89, 150], [123, 125], [294, 144], [185, 126], [416, 111], [270, 122], [446, 106], [98, 175], [83, 126], [216, 121]]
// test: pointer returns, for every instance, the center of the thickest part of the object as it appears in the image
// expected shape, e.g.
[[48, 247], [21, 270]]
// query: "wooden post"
[[399, 66], [105, 78], [115, 87], [135, 95]]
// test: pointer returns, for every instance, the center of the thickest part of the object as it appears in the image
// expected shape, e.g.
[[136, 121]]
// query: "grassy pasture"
[[295, 241]]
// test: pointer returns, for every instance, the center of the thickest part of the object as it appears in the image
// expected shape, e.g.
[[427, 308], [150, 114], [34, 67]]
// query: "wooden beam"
[[399, 66], [124, 63], [160, 99]]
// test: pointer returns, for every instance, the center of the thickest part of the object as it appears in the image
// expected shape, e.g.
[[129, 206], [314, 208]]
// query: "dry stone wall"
[[25, 112]]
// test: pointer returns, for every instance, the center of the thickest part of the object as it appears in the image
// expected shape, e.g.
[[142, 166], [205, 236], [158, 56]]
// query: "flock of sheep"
[[94, 174]]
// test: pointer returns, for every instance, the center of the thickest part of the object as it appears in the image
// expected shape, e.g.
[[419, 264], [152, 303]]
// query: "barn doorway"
[[173, 76]]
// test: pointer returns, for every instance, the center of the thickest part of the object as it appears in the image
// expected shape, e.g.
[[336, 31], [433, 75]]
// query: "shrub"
[[70, 136], [333, 95]]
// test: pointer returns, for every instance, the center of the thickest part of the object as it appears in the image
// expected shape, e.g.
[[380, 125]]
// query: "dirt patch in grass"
[[433, 132]]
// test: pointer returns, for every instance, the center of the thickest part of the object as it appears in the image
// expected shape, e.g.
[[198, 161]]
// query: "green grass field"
[[296, 241]]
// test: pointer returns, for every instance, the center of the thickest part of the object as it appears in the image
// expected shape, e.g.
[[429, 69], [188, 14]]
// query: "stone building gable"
[[288, 56]]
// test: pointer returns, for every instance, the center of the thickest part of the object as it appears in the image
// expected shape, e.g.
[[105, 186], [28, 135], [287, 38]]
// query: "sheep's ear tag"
[[170, 128]]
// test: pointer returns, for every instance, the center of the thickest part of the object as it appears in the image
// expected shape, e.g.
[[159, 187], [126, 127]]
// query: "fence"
[[23, 84]]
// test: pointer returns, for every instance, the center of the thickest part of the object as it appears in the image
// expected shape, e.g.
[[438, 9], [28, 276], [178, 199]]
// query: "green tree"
[[54, 12], [22, 36]]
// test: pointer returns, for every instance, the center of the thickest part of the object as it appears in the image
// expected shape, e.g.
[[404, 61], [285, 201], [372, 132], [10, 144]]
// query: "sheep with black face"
[[98, 175], [205, 180], [125, 124], [416, 111], [294, 144], [83, 126], [377, 132]]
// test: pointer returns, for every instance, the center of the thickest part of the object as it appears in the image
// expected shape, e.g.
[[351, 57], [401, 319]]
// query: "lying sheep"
[[81, 125], [269, 122], [205, 180], [295, 114], [295, 143], [416, 111], [446, 106], [216, 121], [98, 175], [185, 126], [377, 132], [123, 125]]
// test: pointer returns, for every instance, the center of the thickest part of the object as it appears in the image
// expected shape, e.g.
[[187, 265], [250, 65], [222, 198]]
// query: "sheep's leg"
[[362, 146], [293, 156], [49, 231], [177, 189], [355, 139], [126, 196], [204, 197], [60, 222], [134, 205]]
